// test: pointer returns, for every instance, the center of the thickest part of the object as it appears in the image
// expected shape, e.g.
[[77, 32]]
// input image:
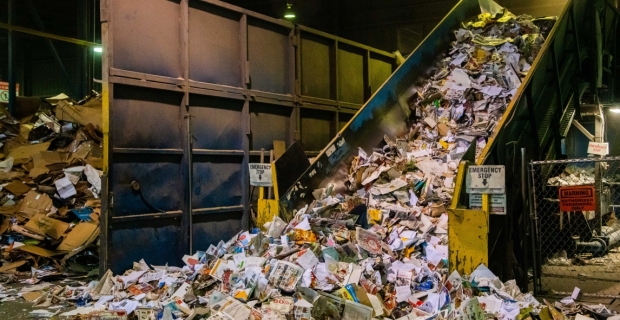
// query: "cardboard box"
[[17, 188], [26, 232], [34, 203], [443, 129], [39, 251], [80, 114], [32, 295], [37, 171], [9, 266], [79, 235], [51, 157], [29, 150], [44, 225], [8, 211], [82, 151]]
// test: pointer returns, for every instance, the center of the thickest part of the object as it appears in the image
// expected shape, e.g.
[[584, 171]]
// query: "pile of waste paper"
[[380, 251], [473, 85], [574, 175], [50, 185]]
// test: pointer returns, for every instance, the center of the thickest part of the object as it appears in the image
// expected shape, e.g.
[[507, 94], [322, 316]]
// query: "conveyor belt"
[[531, 111], [537, 118]]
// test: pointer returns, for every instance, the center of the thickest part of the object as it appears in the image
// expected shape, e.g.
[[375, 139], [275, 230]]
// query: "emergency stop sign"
[[579, 198], [485, 179]]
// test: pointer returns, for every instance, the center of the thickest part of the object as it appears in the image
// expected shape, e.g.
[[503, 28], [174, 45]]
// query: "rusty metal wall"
[[243, 80]]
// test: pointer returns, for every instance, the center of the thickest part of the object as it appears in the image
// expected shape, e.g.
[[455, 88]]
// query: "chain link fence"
[[579, 247]]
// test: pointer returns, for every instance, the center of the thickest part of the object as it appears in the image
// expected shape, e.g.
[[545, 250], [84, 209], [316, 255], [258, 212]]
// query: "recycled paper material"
[[65, 188]]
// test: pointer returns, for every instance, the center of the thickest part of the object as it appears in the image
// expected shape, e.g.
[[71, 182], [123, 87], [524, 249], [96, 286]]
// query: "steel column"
[[11, 62]]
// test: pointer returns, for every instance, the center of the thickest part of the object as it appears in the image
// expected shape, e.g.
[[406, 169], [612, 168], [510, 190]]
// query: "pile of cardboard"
[[50, 182]]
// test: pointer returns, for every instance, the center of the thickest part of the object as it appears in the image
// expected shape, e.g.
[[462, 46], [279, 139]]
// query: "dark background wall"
[[38, 71], [613, 131], [387, 25]]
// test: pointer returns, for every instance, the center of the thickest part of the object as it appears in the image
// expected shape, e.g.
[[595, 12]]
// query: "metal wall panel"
[[223, 117], [268, 123], [351, 74], [212, 227], [157, 241], [235, 78], [217, 181], [214, 45], [336, 74], [147, 40], [379, 69], [317, 128], [138, 111], [269, 53], [316, 70], [158, 176]]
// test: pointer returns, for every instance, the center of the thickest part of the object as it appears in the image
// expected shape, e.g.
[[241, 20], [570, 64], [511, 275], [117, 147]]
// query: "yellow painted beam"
[[468, 234], [468, 230], [105, 114], [267, 209]]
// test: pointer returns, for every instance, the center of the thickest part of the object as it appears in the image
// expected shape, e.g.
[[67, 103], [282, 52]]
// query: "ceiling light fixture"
[[289, 13], [615, 110], [98, 49]]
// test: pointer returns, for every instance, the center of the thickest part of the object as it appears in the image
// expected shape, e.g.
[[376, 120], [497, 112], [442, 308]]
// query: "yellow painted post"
[[105, 123], [468, 230], [267, 208]]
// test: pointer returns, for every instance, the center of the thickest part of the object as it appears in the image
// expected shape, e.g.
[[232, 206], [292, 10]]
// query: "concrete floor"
[[20, 308], [602, 279], [611, 304]]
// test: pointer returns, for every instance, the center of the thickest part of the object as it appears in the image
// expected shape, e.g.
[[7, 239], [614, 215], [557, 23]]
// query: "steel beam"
[[10, 27], [583, 130], [529, 100]]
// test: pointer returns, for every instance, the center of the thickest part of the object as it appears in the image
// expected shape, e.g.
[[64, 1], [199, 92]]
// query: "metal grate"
[[567, 116], [577, 248]]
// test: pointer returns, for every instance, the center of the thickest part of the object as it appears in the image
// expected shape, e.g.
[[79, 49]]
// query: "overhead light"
[[98, 49], [615, 110], [289, 13]]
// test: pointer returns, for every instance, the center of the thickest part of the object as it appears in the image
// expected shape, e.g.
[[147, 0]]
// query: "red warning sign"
[[581, 198]]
